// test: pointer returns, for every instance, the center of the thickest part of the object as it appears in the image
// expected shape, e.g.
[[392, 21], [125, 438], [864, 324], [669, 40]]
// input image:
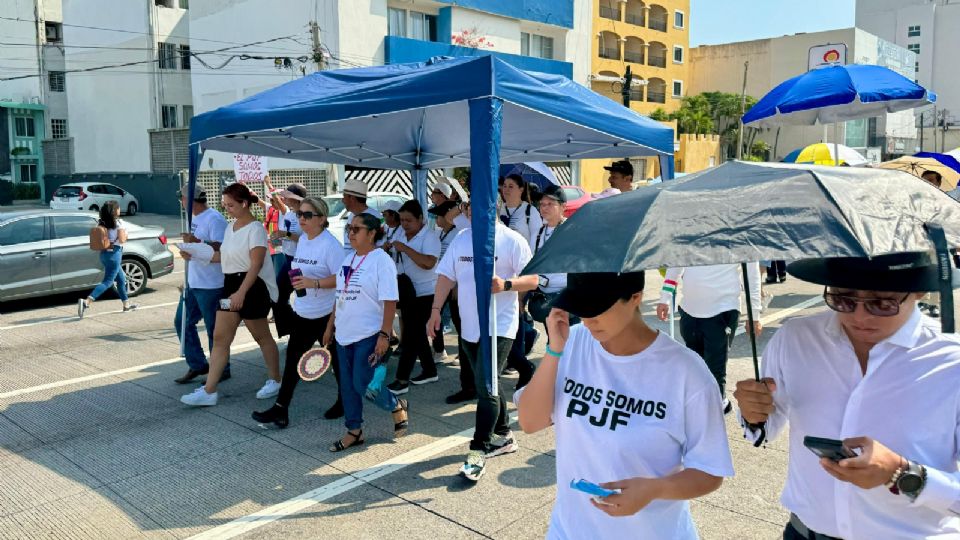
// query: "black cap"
[[623, 166], [898, 272], [592, 294], [555, 192], [442, 208]]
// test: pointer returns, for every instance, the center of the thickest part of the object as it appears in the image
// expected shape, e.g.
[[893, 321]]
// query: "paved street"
[[95, 444]]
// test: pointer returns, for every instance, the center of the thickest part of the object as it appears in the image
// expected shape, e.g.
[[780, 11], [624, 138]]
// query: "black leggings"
[[303, 334], [416, 313]]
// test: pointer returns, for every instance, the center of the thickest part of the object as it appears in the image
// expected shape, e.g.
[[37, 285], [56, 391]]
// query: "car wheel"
[[132, 209], [136, 274], [94, 208]]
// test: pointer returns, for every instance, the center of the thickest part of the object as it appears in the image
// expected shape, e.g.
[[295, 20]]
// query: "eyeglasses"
[[308, 215], [880, 307], [355, 229]]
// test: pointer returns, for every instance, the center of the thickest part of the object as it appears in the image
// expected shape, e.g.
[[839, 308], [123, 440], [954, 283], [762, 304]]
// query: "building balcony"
[[658, 24], [635, 19], [634, 57], [613, 54], [657, 61], [400, 50], [607, 12], [656, 97]]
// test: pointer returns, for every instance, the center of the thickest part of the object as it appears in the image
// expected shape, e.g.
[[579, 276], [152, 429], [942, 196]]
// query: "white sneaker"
[[270, 389], [199, 398], [440, 357]]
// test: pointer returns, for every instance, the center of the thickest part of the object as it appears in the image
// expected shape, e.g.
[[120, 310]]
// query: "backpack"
[[99, 240]]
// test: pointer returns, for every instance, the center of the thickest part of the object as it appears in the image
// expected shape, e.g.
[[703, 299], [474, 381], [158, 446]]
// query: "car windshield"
[[335, 204], [571, 193], [67, 191]]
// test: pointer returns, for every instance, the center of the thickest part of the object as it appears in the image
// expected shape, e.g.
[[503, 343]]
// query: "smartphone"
[[225, 304], [831, 449], [592, 489], [295, 273]]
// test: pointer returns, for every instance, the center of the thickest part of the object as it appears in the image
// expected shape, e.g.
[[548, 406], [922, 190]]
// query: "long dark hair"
[[108, 214], [241, 193]]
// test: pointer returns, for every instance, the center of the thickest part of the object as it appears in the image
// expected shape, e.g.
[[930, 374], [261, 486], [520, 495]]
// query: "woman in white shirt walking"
[[417, 251], [600, 385], [249, 289], [111, 259], [516, 211], [361, 321], [318, 258]]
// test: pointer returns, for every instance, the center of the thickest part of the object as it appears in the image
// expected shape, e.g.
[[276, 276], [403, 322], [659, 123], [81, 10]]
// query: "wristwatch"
[[912, 481], [507, 285]]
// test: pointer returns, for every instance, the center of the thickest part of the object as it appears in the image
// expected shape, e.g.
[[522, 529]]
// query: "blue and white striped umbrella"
[[837, 94]]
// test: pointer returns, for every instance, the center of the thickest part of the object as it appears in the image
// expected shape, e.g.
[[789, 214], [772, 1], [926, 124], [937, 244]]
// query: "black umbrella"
[[741, 211]]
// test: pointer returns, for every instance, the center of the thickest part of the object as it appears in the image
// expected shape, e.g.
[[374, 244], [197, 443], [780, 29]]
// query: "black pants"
[[303, 334], [789, 533], [777, 269], [492, 417], [710, 338], [282, 311], [416, 313], [466, 373], [517, 359]]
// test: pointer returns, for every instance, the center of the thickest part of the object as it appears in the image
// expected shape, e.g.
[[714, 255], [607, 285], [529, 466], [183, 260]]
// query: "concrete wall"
[[19, 60], [156, 193], [697, 152]]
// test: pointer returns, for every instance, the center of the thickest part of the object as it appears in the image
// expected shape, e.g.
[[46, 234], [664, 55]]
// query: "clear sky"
[[726, 21]]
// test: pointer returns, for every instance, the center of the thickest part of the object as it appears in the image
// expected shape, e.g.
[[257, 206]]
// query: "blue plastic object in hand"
[[592, 489], [376, 383]]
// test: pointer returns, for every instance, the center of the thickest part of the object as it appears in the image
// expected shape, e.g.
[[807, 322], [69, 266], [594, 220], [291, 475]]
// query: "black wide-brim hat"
[[897, 272], [591, 294]]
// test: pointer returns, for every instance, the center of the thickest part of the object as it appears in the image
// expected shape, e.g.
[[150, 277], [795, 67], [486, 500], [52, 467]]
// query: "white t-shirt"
[[235, 253], [317, 258], [347, 248], [614, 418], [208, 226], [373, 281], [524, 219], [555, 282], [425, 242], [289, 222], [113, 233], [512, 254]]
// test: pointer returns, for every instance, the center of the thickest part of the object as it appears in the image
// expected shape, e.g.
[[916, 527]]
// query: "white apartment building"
[[774, 60], [931, 29]]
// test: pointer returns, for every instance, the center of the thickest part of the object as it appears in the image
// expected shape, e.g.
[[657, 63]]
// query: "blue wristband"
[[552, 352]]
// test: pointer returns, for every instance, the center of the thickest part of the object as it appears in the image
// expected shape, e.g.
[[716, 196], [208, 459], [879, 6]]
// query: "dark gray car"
[[45, 252]]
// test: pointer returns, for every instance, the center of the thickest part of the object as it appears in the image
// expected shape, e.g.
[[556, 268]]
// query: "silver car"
[[45, 252]]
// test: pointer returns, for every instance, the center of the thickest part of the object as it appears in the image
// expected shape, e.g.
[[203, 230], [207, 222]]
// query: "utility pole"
[[627, 83], [743, 107], [943, 132], [921, 132], [317, 48]]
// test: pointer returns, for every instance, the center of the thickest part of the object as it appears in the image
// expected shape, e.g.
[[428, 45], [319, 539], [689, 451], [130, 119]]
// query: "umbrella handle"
[[945, 276], [749, 329]]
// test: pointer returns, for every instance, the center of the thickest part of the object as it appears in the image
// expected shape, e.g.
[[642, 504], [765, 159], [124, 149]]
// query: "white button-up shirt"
[[908, 400]]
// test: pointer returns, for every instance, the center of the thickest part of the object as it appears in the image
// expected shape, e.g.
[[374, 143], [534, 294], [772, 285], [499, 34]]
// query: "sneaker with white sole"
[[473, 467], [424, 379], [199, 398], [502, 444], [727, 406], [270, 389], [130, 307], [440, 357]]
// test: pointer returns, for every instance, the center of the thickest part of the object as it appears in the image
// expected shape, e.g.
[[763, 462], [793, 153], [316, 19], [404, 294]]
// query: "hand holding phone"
[[832, 449], [296, 273]]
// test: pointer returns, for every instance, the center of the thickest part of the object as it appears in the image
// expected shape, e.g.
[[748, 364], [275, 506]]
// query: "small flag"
[[670, 286]]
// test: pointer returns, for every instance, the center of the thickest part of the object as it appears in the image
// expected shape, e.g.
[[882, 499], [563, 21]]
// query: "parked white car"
[[338, 212], [92, 196]]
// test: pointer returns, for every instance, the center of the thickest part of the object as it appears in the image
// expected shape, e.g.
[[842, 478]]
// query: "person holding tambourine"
[[313, 275], [362, 319]]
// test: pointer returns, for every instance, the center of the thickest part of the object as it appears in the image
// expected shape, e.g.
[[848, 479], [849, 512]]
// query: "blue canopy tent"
[[447, 112]]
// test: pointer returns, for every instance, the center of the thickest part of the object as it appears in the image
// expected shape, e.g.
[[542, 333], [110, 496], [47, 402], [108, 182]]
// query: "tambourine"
[[313, 364]]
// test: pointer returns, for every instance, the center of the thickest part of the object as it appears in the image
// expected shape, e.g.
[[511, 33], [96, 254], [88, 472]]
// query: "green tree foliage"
[[719, 113]]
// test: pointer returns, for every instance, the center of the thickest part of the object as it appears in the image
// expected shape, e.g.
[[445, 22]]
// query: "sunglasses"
[[355, 229], [308, 215], [880, 307]]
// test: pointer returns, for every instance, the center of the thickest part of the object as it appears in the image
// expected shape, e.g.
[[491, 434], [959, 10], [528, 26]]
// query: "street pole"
[[943, 132], [317, 48], [743, 107], [627, 83], [921, 132]]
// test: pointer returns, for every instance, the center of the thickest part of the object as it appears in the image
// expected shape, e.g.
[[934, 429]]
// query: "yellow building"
[[652, 38]]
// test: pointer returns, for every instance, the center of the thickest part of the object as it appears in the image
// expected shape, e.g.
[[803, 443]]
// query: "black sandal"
[[357, 441], [400, 427]]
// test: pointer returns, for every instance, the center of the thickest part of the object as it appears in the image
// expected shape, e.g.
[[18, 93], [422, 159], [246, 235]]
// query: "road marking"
[[133, 369], [363, 477], [95, 315], [785, 312]]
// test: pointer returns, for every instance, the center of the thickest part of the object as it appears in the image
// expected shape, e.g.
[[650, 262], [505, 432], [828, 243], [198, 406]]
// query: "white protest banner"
[[249, 169]]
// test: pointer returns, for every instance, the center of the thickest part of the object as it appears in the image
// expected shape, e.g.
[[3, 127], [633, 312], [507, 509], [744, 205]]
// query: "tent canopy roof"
[[408, 116]]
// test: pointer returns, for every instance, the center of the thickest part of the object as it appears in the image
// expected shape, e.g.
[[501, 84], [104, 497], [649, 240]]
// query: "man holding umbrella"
[[878, 379]]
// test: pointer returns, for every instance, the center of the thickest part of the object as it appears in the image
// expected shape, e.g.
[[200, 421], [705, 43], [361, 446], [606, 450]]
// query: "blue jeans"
[[355, 374], [200, 304], [110, 259]]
